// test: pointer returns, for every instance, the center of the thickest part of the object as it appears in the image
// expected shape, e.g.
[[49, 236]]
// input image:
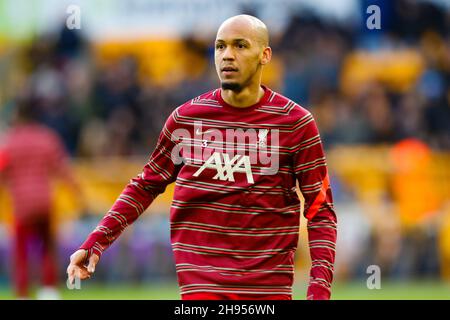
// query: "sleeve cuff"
[[318, 292], [92, 246]]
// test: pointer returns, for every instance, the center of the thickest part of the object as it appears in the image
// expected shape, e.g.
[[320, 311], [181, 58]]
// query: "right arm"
[[140, 192]]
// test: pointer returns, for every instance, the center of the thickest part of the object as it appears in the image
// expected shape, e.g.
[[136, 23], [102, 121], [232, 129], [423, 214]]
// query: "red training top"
[[30, 156], [235, 212]]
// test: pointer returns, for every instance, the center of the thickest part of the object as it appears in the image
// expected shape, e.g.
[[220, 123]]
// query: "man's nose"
[[228, 54]]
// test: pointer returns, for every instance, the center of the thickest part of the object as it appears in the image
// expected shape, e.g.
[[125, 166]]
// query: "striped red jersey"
[[31, 155], [235, 212]]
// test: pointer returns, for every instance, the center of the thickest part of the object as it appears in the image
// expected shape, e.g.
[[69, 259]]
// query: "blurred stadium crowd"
[[364, 86], [380, 97]]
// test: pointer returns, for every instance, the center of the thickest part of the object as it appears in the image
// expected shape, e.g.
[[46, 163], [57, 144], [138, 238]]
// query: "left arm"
[[312, 174], [4, 159]]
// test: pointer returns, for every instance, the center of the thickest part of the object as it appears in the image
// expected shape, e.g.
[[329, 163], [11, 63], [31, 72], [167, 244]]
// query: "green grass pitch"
[[417, 290]]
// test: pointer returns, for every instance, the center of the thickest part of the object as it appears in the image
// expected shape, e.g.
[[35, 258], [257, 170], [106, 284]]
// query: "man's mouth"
[[229, 69]]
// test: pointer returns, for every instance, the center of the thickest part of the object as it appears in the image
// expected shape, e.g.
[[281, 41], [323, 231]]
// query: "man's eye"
[[241, 46], [219, 46]]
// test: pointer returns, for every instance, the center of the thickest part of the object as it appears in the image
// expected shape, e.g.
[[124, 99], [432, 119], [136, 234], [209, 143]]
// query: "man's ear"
[[266, 55]]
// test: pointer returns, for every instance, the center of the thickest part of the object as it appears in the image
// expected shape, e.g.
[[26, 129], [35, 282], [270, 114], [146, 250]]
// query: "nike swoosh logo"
[[198, 132]]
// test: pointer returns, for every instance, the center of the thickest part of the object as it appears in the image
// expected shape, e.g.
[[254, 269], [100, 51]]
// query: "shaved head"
[[241, 51], [256, 29]]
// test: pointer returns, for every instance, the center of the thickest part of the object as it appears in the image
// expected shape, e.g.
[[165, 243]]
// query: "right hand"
[[77, 267]]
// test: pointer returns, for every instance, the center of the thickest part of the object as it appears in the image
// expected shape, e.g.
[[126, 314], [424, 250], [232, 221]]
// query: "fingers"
[[78, 257], [71, 274], [93, 260], [74, 271], [83, 274], [76, 268], [71, 270]]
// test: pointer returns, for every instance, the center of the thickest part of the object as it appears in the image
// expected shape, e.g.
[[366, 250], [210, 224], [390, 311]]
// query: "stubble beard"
[[233, 86], [237, 87]]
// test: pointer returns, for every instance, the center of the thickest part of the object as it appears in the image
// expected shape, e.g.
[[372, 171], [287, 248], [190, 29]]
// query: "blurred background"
[[104, 75]]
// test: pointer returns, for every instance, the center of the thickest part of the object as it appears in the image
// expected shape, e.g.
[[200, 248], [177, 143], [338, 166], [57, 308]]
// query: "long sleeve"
[[139, 193], [312, 174], [3, 158]]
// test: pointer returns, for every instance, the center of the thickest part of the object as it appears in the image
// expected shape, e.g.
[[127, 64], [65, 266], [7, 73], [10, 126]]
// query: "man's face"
[[238, 57]]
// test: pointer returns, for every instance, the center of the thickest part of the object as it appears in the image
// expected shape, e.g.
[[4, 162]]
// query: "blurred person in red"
[[234, 223], [31, 155]]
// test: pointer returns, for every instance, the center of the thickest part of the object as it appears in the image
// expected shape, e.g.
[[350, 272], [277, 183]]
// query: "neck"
[[245, 98]]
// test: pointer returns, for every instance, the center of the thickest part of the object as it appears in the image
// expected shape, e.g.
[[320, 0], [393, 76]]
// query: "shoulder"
[[30, 133], [48, 138], [200, 106], [47, 133], [200, 103], [283, 106]]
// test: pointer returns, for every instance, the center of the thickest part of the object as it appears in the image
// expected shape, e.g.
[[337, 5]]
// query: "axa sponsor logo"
[[226, 167]]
